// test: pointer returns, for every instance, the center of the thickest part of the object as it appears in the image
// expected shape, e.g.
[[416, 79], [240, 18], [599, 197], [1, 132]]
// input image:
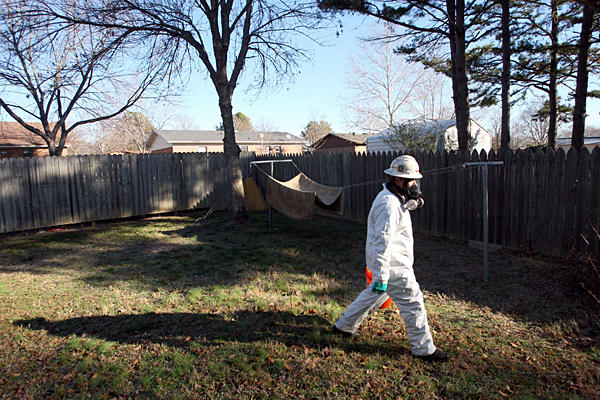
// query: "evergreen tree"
[[540, 60], [315, 130], [241, 122], [429, 24], [589, 24]]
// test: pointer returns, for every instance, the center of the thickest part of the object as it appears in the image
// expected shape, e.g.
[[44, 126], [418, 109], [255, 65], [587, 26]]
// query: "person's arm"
[[386, 225]]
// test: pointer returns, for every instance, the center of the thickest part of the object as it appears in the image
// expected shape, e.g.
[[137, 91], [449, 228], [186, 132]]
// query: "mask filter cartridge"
[[413, 204]]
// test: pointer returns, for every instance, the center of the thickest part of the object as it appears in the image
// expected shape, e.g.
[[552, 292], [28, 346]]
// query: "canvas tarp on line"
[[301, 198]]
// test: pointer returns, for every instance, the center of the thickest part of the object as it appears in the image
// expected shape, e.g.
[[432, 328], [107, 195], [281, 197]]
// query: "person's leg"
[[366, 302], [406, 294]]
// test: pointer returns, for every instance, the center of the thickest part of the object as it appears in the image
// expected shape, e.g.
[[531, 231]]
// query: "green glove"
[[379, 287]]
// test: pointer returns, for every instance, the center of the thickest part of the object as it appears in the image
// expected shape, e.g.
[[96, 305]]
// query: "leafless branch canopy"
[[60, 74], [223, 35]]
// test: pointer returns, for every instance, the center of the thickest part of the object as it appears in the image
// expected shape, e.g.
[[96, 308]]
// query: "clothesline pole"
[[253, 163], [271, 208], [485, 165]]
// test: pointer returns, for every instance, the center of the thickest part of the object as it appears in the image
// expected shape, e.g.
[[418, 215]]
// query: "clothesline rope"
[[343, 187], [438, 171]]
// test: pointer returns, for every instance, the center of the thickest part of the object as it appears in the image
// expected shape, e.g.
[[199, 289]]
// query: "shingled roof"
[[199, 136], [349, 137], [13, 134]]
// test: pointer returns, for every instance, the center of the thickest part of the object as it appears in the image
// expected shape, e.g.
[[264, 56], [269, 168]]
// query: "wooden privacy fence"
[[542, 201], [51, 191]]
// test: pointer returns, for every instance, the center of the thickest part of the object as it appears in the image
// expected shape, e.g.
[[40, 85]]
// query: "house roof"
[[430, 127], [13, 134], [590, 140], [198, 136], [424, 127], [360, 139]]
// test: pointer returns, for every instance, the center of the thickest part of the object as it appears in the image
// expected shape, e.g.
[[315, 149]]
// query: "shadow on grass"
[[530, 288], [177, 253], [182, 329]]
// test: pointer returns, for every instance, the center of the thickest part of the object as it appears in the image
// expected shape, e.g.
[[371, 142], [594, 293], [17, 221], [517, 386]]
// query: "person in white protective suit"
[[389, 255]]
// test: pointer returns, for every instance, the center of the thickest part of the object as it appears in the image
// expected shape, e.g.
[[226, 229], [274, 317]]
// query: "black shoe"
[[436, 356], [340, 332]]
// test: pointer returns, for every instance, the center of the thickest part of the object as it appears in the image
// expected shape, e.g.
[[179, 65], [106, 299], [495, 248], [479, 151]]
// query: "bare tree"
[[381, 83], [432, 99], [132, 131], [80, 143], [183, 122], [99, 136], [60, 76], [264, 128], [221, 36], [266, 125], [531, 128]]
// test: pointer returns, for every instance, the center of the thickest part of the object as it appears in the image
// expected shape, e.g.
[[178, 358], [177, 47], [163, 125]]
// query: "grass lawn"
[[169, 308]]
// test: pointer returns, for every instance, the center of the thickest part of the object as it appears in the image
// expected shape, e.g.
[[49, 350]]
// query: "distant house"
[[16, 141], [589, 142], [341, 142], [196, 141], [445, 132]]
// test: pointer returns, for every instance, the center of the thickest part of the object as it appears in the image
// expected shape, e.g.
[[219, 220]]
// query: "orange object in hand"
[[388, 302]]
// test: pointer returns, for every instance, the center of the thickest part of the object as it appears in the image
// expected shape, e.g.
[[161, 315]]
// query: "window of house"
[[277, 150], [3, 154], [27, 153], [202, 149], [244, 148]]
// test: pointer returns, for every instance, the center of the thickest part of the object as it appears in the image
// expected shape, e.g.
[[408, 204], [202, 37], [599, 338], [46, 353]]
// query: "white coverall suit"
[[389, 255]]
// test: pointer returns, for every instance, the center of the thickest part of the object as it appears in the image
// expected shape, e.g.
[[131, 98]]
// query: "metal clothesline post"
[[253, 164], [485, 217]]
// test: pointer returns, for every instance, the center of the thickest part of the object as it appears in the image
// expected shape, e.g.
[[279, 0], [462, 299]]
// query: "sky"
[[316, 94]]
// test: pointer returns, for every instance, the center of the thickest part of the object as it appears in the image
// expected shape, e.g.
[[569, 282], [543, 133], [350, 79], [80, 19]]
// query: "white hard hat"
[[404, 167]]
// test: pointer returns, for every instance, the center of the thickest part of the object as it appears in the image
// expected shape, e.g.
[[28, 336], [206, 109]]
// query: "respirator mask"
[[413, 195]]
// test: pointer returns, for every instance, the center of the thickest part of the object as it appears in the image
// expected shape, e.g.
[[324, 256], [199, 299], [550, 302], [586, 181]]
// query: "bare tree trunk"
[[582, 75], [552, 95], [461, 92], [232, 156], [52, 150], [452, 38], [506, 52]]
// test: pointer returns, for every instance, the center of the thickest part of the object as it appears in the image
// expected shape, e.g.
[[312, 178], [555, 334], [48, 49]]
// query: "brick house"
[[16, 141], [341, 142], [197, 141]]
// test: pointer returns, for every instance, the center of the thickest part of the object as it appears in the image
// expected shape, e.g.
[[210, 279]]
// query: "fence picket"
[[570, 185], [6, 213], [582, 222], [594, 213], [544, 201]]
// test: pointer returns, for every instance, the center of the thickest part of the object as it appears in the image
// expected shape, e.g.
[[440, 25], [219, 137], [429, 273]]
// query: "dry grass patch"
[[168, 308]]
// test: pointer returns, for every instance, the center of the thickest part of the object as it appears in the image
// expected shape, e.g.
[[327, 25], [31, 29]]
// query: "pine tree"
[[428, 25]]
